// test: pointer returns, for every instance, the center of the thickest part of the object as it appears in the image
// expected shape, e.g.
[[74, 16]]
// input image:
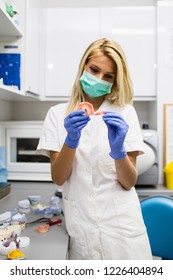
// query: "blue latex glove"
[[74, 123], [117, 130]]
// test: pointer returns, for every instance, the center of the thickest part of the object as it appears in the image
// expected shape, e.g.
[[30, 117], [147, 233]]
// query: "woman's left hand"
[[117, 130]]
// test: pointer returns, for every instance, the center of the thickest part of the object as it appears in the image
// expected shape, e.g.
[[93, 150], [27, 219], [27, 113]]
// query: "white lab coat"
[[103, 220]]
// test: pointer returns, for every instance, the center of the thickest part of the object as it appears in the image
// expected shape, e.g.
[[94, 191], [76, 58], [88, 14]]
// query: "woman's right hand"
[[74, 123]]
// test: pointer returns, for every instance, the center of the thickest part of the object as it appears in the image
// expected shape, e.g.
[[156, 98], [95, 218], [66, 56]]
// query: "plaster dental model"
[[5, 219], [34, 200], [4, 250], [22, 242], [40, 209], [19, 219], [56, 209], [89, 110], [48, 213], [24, 206], [5, 233], [18, 242], [15, 229], [54, 200]]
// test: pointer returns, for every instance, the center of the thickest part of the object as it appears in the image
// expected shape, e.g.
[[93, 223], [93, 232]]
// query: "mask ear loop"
[[82, 95]]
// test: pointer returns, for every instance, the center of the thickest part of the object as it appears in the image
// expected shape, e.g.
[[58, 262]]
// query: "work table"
[[51, 245], [146, 191]]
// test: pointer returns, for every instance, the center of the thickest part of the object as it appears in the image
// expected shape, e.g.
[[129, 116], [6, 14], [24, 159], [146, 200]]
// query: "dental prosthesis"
[[89, 109]]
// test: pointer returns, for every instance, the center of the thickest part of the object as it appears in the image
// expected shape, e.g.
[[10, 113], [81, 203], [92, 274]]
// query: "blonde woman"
[[93, 158]]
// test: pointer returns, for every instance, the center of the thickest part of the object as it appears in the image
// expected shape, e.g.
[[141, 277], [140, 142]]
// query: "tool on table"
[[47, 220]]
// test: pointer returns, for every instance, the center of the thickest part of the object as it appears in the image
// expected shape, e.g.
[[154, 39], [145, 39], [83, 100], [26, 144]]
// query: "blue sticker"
[[10, 69]]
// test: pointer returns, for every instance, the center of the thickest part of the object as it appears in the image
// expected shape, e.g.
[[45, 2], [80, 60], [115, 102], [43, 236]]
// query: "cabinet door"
[[32, 64], [66, 33], [134, 29]]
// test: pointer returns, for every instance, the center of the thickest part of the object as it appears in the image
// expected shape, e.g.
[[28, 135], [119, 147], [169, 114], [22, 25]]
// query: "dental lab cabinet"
[[20, 140]]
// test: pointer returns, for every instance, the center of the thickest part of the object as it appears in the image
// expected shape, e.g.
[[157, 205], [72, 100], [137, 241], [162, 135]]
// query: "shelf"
[[27, 152], [144, 98], [8, 93], [7, 27], [55, 98]]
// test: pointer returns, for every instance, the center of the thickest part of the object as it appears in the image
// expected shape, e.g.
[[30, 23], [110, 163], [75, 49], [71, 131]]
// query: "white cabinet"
[[57, 37], [134, 29], [8, 31], [66, 33], [12, 35]]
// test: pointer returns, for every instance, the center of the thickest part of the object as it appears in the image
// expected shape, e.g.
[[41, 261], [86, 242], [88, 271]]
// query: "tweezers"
[[47, 220]]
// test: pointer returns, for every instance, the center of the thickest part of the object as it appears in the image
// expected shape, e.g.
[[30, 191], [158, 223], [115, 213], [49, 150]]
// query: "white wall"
[[22, 111], [5, 110], [30, 111]]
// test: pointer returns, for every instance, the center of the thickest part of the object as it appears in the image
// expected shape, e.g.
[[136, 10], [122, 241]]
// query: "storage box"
[[5, 189], [168, 170]]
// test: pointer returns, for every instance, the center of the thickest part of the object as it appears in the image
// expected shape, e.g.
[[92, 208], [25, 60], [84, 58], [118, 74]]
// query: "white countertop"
[[52, 245], [145, 191]]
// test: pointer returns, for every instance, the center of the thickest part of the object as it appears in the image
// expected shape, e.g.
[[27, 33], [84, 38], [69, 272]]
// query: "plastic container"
[[168, 170]]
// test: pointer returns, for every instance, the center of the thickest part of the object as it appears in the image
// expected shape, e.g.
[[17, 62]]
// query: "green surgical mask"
[[94, 86]]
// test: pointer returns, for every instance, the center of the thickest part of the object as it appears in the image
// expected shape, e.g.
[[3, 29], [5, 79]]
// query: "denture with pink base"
[[89, 109]]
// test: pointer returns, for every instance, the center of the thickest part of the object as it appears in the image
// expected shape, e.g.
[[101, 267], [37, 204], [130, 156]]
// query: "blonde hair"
[[122, 90]]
